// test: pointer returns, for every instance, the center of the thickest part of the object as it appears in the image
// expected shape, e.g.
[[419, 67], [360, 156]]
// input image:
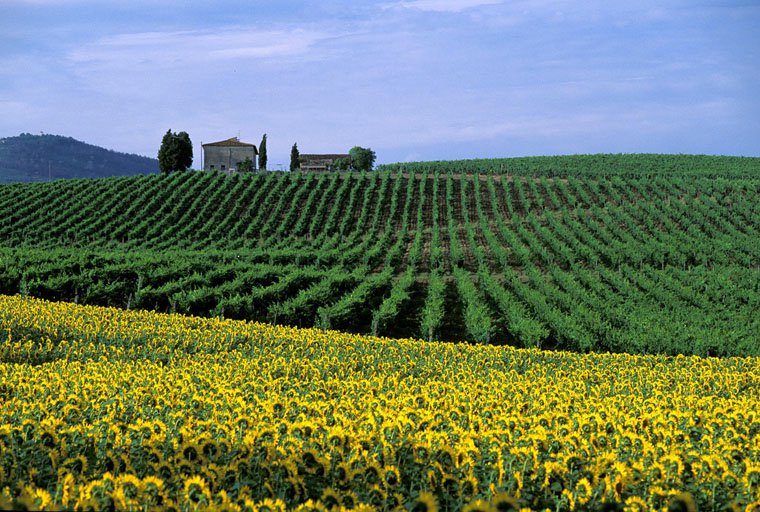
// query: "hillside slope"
[[622, 263], [636, 164], [42, 157]]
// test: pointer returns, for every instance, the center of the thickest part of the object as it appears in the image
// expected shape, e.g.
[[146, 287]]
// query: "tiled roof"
[[234, 141], [303, 156]]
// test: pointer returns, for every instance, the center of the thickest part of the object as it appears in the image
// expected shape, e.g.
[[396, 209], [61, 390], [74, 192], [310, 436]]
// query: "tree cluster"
[[176, 152]]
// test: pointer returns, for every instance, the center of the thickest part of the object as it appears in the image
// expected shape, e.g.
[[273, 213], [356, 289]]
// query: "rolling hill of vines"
[[593, 253]]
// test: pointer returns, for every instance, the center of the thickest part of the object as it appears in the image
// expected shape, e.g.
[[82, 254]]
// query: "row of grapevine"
[[578, 263]]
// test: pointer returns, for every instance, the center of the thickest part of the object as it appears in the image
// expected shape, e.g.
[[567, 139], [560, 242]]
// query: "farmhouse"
[[319, 162], [227, 155]]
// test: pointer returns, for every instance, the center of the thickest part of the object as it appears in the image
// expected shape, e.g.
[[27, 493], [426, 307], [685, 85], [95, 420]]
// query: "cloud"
[[443, 5], [185, 47]]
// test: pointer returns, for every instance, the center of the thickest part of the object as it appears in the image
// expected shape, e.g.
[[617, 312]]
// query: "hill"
[[637, 263], [30, 157], [638, 164]]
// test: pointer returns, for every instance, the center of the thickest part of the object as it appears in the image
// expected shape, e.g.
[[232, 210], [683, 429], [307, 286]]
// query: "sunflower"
[[583, 491], [450, 484], [566, 494], [425, 502], [330, 498], [32, 499], [478, 506], [164, 470], [76, 465], [391, 476], [153, 455], [209, 449], [317, 466], [636, 504], [503, 502], [682, 502], [421, 454], [67, 487], [159, 431], [469, 486], [196, 490], [6, 502], [446, 456], [372, 472], [349, 500], [222, 501], [153, 488], [310, 506], [130, 484], [190, 451], [518, 483], [376, 495], [342, 475], [271, 505], [111, 462]]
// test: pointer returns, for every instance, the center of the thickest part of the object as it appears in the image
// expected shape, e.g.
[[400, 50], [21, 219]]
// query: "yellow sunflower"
[[425, 502], [503, 502], [636, 504], [682, 502], [583, 491], [478, 506], [331, 498], [196, 490], [271, 505]]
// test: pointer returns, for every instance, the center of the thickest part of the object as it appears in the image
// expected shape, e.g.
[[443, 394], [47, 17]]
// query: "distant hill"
[[30, 157]]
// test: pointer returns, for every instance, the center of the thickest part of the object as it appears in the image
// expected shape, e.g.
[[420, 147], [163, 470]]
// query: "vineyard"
[[576, 258]]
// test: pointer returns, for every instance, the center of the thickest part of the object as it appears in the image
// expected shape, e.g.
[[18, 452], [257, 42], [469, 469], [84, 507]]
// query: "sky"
[[411, 79]]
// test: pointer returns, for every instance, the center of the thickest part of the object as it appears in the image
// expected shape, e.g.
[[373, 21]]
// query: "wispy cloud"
[[184, 47]]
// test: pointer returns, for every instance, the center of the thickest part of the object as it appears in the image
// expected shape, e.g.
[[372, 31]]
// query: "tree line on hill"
[[176, 154]]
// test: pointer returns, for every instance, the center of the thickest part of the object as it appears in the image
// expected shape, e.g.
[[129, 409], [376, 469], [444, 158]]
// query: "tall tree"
[[176, 152], [362, 159], [263, 153], [295, 157]]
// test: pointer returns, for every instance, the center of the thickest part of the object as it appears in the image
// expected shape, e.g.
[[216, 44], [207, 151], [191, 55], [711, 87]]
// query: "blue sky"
[[412, 79]]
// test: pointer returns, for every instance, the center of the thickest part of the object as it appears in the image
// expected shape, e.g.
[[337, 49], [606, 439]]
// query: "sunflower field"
[[103, 408]]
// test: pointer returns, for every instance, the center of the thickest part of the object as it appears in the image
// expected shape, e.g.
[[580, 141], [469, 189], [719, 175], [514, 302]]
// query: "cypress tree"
[[263, 153], [295, 163]]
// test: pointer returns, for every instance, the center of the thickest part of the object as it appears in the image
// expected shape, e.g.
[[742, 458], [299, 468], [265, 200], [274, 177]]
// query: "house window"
[[212, 167], [223, 167]]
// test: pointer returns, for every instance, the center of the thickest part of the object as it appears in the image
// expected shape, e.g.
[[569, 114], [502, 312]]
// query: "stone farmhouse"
[[227, 155], [312, 163]]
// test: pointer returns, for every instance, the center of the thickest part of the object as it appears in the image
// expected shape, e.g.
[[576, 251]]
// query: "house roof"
[[303, 156], [234, 141]]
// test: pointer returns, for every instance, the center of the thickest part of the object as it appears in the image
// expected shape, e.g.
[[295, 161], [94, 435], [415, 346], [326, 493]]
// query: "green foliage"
[[665, 264], [246, 165], [342, 164], [295, 162], [362, 159], [263, 153], [176, 152], [594, 165]]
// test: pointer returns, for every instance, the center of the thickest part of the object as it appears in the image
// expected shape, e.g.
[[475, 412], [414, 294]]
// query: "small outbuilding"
[[312, 163], [227, 155]]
